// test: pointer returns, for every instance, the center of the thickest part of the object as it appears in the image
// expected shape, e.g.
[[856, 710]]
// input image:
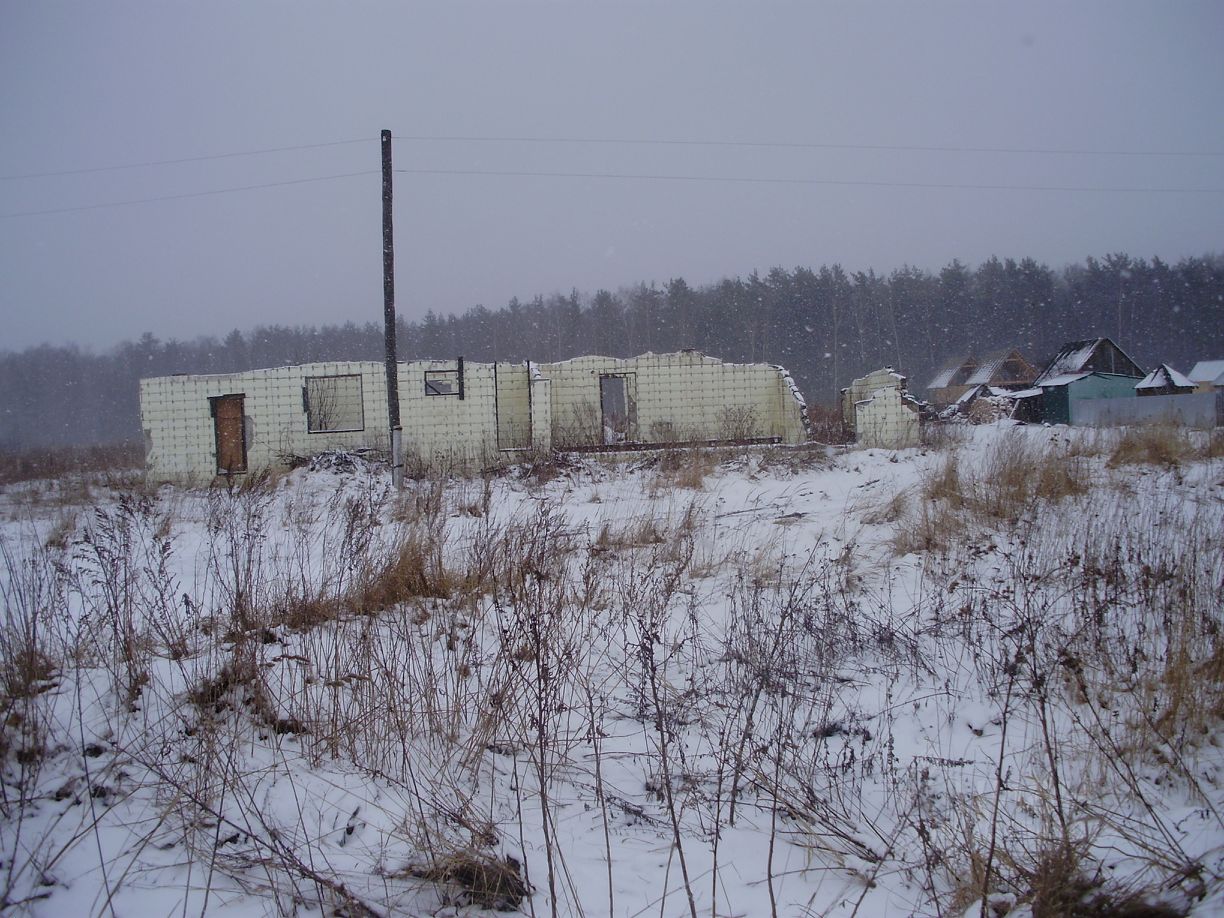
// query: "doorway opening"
[[229, 431]]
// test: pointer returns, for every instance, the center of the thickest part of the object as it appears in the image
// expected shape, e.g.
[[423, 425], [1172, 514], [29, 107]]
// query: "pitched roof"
[[988, 369], [1074, 357], [1162, 377], [954, 373], [1208, 371]]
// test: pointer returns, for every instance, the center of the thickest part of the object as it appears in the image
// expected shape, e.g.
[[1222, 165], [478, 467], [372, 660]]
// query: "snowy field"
[[983, 677]]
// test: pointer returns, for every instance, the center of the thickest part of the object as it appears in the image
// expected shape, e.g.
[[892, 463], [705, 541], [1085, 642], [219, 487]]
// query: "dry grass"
[[684, 468], [1154, 444], [956, 500], [945, 484], [929, 526], [475, 878], [110, 460], [414, 570], [509, 653]]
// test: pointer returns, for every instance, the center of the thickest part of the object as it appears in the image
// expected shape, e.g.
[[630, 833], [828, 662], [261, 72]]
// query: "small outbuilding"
[[1164, 380], [1005, 369]]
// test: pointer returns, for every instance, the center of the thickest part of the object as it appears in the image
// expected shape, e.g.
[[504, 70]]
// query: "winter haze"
[[856, 90]]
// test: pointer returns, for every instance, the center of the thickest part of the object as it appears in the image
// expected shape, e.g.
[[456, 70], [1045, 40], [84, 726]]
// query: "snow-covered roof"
[[984, 391], [1162, 377], [1075, 356], [1027, 393], [1060, 380], [1208, 371], [943, 378], [1070, 359], [948, 375], [986, 369], [993, 365]]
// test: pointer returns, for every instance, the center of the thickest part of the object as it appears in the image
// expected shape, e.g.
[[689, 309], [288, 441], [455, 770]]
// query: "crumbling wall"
[[864, 386], [461, 415], [887, 419], [676, 397]]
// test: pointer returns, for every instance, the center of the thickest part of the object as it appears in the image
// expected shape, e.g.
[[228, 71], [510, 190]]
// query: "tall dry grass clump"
[[1167, 445], [684, 468], [964, 494]]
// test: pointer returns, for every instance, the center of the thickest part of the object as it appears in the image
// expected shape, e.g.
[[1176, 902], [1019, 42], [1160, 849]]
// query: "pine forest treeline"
[[826, 325]]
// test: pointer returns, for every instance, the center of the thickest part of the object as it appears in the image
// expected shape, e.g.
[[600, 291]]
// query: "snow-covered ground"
[[760, 682]]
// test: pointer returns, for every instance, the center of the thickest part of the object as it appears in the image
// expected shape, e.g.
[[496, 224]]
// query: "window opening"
[[442, 382], [333, 404]]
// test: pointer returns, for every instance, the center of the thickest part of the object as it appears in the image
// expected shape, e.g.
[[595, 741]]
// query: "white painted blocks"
[[460, 417]]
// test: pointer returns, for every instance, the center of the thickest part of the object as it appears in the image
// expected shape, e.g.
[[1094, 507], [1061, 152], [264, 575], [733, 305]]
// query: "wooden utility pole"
[[397, 445]]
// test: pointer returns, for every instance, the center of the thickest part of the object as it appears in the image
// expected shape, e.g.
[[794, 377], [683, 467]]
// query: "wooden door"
[[230, 434]]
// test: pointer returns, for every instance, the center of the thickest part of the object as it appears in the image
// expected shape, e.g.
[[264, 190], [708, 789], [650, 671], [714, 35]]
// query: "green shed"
[[1060, 391]]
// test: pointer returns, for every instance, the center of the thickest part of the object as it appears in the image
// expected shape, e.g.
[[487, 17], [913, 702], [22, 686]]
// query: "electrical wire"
[[619, 141], [758, 180], [768, 144], [624, 176], [189, 194], [185, 159]]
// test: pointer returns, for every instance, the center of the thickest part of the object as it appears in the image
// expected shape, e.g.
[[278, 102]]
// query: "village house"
[[1002, 370], [1094, 368], [458, 414], [951, 382]]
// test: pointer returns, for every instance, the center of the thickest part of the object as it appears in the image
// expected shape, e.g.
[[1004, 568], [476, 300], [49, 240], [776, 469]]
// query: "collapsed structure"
[[880, 412], [457, 414]]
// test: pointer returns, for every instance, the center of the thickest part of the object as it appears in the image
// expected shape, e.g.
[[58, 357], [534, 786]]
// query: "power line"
[[758, 180], [189, 194], [621, 176], [620, 141], [1044, 151], [183, 159]]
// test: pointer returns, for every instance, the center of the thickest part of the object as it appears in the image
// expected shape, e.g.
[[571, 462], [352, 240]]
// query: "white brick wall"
[[175, 415], [504, 406], [680, 396], [513, 406], [886, 420]]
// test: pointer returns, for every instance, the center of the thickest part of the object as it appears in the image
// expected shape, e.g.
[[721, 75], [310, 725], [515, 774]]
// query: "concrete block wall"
[[541, 410], [504, 406], [886, 420], [681, 396], [178, 424], [446, 431], [864, 386], [513, 406]]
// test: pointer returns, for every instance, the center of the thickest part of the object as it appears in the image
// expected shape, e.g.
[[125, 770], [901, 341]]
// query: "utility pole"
[[397, 445]]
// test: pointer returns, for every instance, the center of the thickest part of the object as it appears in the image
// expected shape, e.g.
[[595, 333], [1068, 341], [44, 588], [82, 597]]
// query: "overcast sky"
[[837, 94]]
